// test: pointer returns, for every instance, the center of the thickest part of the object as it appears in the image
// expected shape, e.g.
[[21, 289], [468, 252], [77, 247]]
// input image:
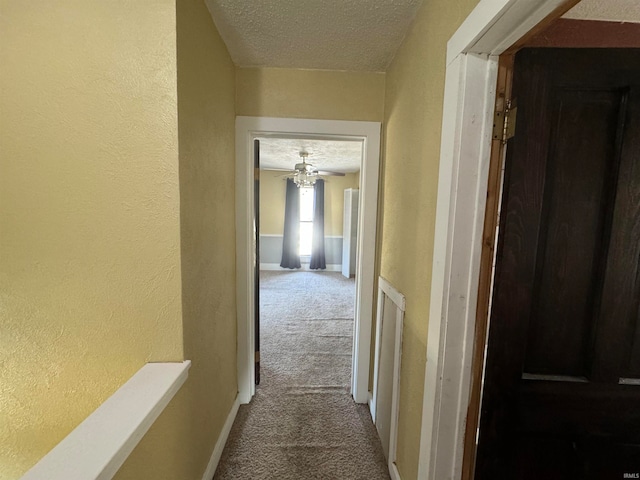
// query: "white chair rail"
[[98, 447]]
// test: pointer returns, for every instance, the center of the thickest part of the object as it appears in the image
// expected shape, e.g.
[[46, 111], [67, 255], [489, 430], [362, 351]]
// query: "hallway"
[[303, 422]]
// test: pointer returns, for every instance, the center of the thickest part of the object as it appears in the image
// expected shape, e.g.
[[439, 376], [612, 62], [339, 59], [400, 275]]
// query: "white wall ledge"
[[98, 447]]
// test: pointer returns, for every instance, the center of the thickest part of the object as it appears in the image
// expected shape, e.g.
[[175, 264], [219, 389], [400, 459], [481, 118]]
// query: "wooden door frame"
[[467, 207], [249, 128]]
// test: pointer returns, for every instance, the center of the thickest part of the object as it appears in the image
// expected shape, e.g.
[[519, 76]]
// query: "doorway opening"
[[307, 194], [333, 163], [367, 134]]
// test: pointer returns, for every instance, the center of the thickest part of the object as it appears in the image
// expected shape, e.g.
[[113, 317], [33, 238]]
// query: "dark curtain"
[[317, 242], [291, 235]]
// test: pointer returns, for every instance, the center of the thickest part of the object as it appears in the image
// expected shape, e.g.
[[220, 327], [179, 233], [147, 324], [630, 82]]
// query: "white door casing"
[[249, 128], [467, 123]]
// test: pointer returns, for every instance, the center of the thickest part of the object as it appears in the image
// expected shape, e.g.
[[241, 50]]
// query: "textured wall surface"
[[90, 275], [413, 118], [334, 202], [291, 93], [272, 199], [180, 443]]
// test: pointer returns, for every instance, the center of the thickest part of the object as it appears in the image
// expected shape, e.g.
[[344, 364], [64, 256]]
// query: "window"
[[306, 220]]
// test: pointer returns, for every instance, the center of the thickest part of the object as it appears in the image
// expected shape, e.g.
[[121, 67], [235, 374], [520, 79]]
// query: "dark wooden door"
[[561, 395]]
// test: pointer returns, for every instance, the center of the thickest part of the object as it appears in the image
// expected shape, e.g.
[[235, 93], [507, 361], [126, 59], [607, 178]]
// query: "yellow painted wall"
[[272, 200], [293, 93], [180, 443], [91, 280], [334, 202], [413, 117], [90, 276]]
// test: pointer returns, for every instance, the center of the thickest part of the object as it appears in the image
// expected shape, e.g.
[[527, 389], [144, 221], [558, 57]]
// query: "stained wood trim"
[[494, 190], [572, 33], [542, 26]]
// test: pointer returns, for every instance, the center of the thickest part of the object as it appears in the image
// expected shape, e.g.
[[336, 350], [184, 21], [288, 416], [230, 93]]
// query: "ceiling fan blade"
[[330, 174]]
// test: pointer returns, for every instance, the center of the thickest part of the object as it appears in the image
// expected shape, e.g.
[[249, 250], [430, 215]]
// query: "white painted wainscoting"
[[271, 253], [386, 370]]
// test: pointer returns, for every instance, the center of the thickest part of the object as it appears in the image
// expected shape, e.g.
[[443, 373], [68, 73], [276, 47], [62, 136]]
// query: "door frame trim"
[[247, 129], [493, 27]]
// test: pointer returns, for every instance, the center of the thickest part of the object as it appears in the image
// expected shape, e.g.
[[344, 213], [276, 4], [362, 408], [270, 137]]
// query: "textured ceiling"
[[331, 155], [606, 10], [316, 34]]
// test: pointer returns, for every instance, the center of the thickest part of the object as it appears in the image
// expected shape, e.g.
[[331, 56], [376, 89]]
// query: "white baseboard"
[[393, 472], [372, 409], [222, 440], [331, 267]]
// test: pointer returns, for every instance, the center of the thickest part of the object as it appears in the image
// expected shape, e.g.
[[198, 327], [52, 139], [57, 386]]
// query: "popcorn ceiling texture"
[[330, 34], [609, 10], [332, 155]]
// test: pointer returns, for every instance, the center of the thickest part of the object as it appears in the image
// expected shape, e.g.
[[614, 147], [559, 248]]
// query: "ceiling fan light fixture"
[[305, 175], [305, 179]]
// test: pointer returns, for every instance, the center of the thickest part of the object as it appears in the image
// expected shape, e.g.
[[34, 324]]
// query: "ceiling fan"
[[305, 174]]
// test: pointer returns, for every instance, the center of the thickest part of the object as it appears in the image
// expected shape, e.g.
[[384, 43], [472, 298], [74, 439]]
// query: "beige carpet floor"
[[302, 422]]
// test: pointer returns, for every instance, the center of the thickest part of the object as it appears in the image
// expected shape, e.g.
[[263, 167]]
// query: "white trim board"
[[469, 98], [249, 128], [495, 25], [222, 440], [331, 267], [394, 473], [97, 448]]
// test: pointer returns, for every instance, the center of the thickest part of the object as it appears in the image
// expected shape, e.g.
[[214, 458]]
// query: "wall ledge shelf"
[[97, 448]]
